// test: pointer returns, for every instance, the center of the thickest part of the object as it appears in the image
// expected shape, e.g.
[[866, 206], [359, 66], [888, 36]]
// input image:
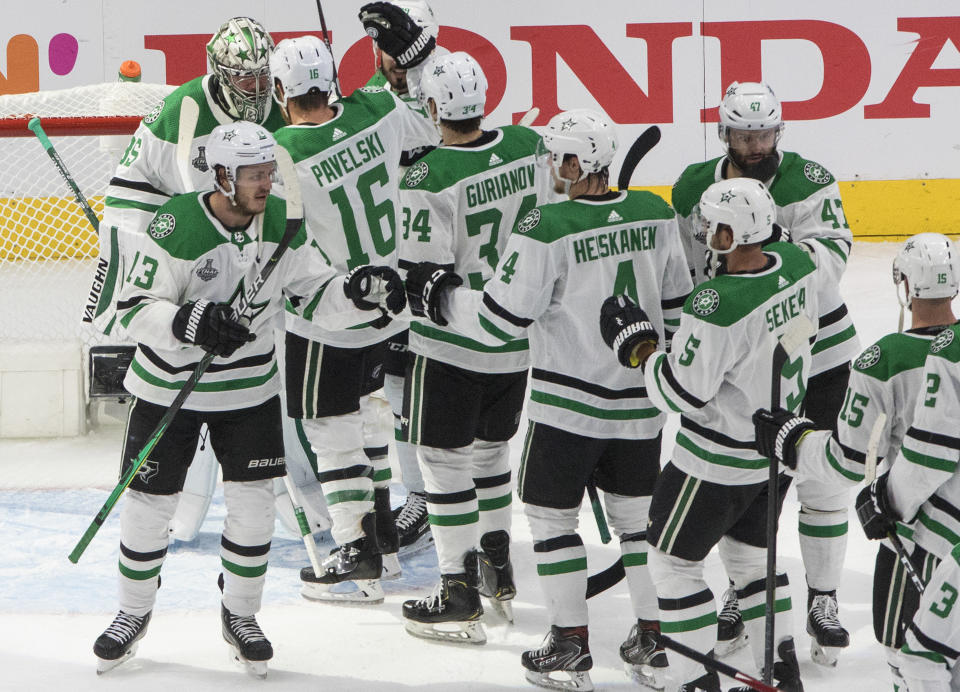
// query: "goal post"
[[49, 249]]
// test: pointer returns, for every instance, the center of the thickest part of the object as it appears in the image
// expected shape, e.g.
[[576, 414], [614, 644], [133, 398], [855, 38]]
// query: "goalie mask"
[[239, 58], [928, 262], [236, 145], [300, 65], [456, 84], [742, 204], [582, 132]]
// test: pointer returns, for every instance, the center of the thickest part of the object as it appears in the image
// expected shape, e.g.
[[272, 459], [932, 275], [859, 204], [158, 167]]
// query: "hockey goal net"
[[48, 247]]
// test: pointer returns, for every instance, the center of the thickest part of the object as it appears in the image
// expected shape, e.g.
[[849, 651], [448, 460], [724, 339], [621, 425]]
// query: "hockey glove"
[[779, 235], [214, 327], [778, 433], [626, 329], [372, 288], [396, 34], [426, 284], [874, 511]]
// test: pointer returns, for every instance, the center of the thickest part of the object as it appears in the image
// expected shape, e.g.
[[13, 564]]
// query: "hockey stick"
[[294, 221], [598, 512], [873, 442], [305, 533], [798, 332], [529, 117], [326, 42], [189, 114], [645, 142], [905, 561], [37, 129], [713, 664]]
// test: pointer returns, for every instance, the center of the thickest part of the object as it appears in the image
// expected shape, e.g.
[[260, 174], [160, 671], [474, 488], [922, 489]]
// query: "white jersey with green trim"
[[147, 176], [809, 206], [886, 378], [924, 483], [458, 205], [719, 370], [349, 176], [561, 262], [932, 644], [186, 254]]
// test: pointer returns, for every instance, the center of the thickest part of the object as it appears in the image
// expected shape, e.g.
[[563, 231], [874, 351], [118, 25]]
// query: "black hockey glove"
[[778, 432], [779, 235], [214, 327], [372, 287], [396, 34], [626, 329], [874, 510], [426, 284]]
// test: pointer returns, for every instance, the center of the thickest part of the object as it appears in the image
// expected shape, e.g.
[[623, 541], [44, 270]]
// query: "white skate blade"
[[366, 591], [824, 655], [503, 609], [648, 676], [561, 680], [422, 544], [723, 649], [391, 566], [470, 632], [104, 664], [257, 669]]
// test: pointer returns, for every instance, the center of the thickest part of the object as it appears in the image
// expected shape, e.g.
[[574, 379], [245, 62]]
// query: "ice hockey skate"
[[248, 646], [562, 662], [496, 573], [731, 634], [119, 641], [786, 669], [708, 682], [413, 525], [823, 625], [452, 612], [644, 659], [351, 574], [388, 539]]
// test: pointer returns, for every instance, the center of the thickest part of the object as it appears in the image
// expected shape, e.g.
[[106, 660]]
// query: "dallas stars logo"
[[567, 124], [868, 358], [706, 302], [229, 135], [439, 70], [731, 90], [149, 469], [162, 226], [944, 339], [727, 196]]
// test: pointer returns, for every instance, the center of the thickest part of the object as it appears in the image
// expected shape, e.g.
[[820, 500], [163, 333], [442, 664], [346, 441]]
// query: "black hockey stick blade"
[[713, 664], [603, 580], [644, 143]]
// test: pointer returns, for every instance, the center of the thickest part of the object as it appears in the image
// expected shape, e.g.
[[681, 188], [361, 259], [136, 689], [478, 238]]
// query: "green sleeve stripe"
[[431, 332], [634, 559], [548, 569], [656, 376], [929, 655], [672, 323], [834, 246], [930, 462], [118, 203], [937, 528], [139, 575], [832, 531], [702, 622], [382, 475], [129, 315], [494, 503], [242, 571], [850, 475], [593, 411], [312, 305], [339, 496], [758, 611], [225, 386], [720, 459], [454, 519], [824, 344], [494, 330]]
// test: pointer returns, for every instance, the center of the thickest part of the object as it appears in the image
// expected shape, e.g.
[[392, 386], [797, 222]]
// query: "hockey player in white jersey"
[[346, 159], [463, 399], [201, 251], [413, 527], [808, 204], [588, 422], [714, 489], [887, 380]]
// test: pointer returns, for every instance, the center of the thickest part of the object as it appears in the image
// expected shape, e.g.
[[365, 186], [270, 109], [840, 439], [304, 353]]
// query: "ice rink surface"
[[51, 610]]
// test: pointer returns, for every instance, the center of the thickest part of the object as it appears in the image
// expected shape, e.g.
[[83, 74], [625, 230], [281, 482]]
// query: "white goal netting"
[[48, 248]]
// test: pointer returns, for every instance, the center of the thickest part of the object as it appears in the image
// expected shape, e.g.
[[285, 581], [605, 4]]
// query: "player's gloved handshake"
[[372, 288], [874, 510], [396, 34], [626, 329], [778, 432], [426, 284], [214, 327]]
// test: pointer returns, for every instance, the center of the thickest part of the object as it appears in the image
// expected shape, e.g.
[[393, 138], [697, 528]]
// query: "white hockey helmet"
[[300, 65], [743, 204], [456, 84], [422, 15], [239, 55], [929, 262], [583, 132], [236, 145], [749, 106]]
